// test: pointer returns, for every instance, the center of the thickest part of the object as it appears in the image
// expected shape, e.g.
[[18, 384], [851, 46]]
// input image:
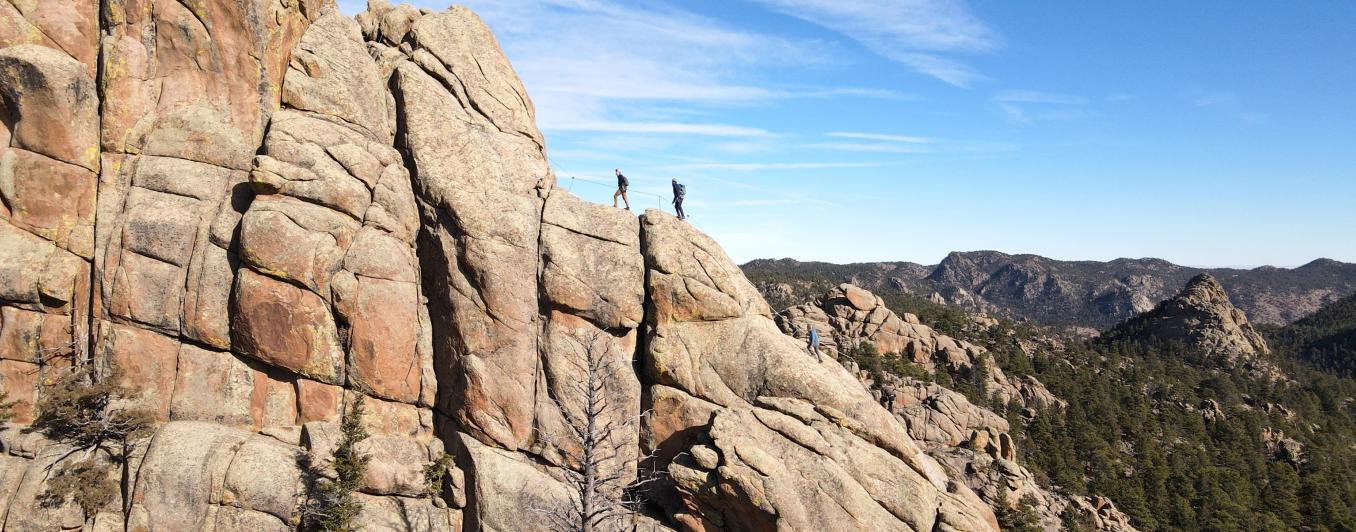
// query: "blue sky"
[[1217, 133]]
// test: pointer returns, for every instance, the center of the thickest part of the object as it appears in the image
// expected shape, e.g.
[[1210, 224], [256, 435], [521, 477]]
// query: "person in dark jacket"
[[622, 183], [887, 397], [679, 190]]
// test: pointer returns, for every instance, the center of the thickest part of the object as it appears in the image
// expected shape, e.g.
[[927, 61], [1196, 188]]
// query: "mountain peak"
[[1203, 318], [1206, 289]]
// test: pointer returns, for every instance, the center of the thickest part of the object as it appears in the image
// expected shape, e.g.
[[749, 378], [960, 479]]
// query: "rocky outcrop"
[[848, 316], [778, 419], [255, 212], [974, 445], [1202, 319]]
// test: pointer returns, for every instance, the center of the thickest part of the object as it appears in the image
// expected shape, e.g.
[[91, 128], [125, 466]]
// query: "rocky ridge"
[[1054, 292], [256, 211], [848, 316]]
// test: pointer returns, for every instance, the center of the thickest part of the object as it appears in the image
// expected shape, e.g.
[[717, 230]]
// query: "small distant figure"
[[679, 190], [887, 397], [814, 345], [622, 183]]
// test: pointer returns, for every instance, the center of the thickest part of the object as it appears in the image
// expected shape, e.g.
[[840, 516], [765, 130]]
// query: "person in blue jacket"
[[814, 345]]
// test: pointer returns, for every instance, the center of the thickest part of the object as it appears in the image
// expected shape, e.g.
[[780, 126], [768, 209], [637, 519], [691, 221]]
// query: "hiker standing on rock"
[[679, 190], [814, 345], [887, 396], [622, 183]]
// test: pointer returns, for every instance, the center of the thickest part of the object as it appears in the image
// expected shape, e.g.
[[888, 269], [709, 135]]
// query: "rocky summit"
[[255, 212], [1202, 319]]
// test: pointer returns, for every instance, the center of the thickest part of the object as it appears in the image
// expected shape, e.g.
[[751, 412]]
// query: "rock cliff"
[[254, 211]]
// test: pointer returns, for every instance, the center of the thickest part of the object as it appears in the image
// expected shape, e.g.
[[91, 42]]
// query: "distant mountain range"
[[1082, 293]]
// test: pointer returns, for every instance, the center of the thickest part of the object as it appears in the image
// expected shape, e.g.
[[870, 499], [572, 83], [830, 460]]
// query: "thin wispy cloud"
[[757, 167], [856, 92], [912, 32], [603, 65], [908, 144], [1225, 102], [1039, 97], [1027, 106], [711, 130], [907, 139], [871, 147]]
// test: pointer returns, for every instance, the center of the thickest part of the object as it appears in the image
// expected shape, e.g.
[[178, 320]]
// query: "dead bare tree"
[[605, 488]]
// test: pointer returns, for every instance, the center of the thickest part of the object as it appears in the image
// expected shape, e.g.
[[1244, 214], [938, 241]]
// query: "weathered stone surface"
[[34, 337], [406, 513], [193, 467], [384, 337], [51, 100], [480, 173], [396, 463], [147, 360], [285, 326], [49, 198], [712, 337], [776, 464], [318, 401], [37, 275], [71, 26], [572, 349], [296, 241], [27, 512], [331, 74], [20, 381], [591, 262], [505, 491], [12, 469], [938, 416], [212, 386], [196, 83]]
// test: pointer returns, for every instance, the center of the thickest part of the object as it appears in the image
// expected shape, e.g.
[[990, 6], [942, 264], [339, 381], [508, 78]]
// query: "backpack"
[[682, 190], [622, 182]]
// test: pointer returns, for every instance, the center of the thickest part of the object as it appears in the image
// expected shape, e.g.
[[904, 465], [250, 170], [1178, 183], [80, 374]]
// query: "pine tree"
[[332, 507], [91, 414]]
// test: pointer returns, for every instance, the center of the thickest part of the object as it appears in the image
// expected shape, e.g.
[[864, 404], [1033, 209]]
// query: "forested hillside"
[[1180, 438], [1326, 339]]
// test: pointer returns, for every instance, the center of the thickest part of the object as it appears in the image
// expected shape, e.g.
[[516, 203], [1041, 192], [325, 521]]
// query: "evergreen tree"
[[332, 506]]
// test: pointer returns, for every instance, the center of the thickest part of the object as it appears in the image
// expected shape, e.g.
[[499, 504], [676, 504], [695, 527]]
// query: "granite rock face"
[[256, 211]]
